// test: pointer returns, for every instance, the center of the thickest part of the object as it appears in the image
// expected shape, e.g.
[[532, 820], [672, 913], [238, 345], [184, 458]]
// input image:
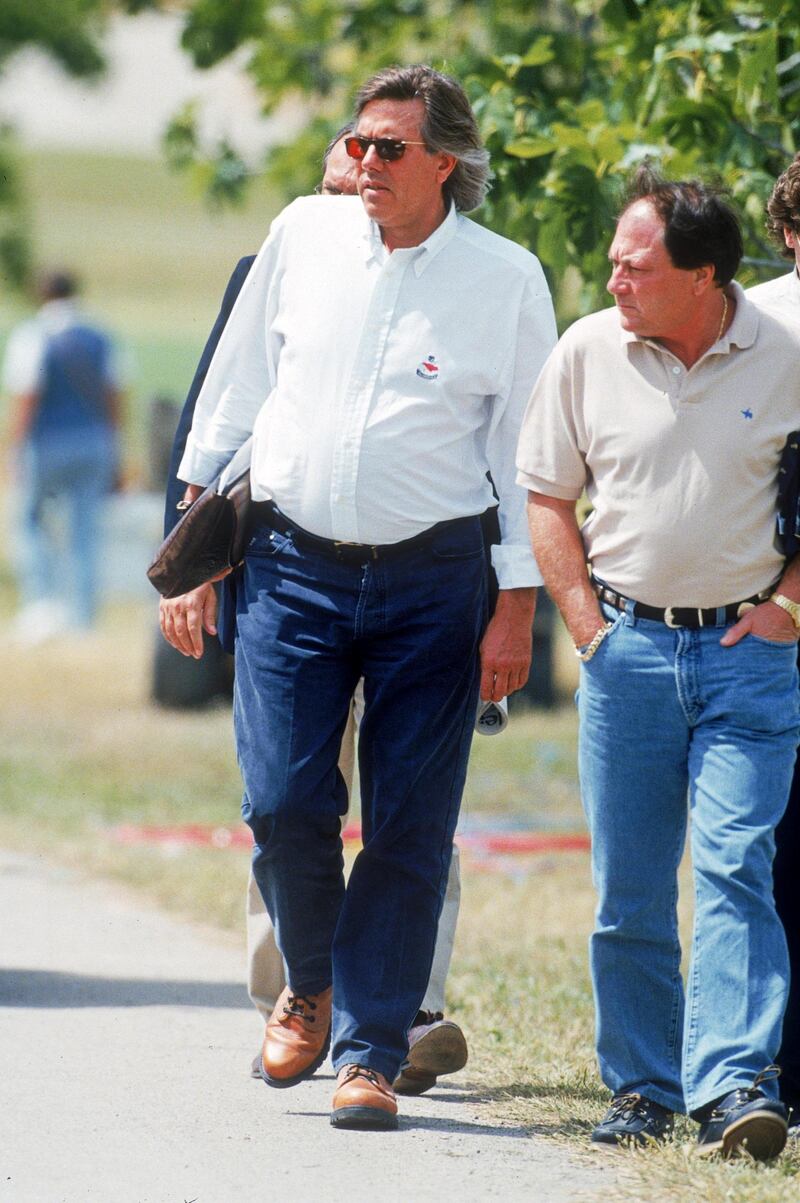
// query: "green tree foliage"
[[570, 98], [69, 31]]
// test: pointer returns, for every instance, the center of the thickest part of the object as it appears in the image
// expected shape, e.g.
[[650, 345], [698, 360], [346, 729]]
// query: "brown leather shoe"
[[297, 1038], [436, 1046], [363, 1099]]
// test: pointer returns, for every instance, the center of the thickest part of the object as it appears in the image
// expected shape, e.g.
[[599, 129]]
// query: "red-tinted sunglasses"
[[388, 149]]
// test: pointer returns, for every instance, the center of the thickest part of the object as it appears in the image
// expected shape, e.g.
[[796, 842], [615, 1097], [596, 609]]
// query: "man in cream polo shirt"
[[671, 412]]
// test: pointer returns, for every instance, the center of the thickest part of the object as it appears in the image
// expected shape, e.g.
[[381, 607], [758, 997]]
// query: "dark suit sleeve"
[[175, 487]]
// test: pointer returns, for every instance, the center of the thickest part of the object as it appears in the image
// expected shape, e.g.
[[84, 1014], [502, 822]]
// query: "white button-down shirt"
[[380, 388]]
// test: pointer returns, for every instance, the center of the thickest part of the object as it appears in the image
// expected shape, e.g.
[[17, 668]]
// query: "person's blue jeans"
[[667, 715], [308, 626], [73, 470]]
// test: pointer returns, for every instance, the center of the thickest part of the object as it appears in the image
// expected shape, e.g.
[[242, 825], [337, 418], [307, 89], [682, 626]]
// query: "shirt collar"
[[741, 332], [422, 255], [59, 313]]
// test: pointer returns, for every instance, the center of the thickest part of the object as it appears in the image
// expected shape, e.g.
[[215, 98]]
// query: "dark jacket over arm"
[[175, 487], [226, 591]]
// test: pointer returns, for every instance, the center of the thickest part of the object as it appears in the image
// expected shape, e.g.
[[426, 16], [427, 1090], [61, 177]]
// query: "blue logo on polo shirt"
[[746, 413]]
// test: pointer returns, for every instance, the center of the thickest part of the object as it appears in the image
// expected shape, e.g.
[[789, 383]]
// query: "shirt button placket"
[[358, 398]]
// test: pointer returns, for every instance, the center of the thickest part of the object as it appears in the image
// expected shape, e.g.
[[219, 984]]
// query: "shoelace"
[[296, 1004], [747, 1094], [361, 1071], [627, 1105]]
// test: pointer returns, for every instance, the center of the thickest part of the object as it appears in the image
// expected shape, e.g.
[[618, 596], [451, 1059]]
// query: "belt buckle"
[[669, 619]]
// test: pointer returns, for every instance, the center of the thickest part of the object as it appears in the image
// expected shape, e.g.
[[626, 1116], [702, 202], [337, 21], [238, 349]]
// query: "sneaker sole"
[[441, 1051], [258, 1070], [364, 1119], [761, 1134]]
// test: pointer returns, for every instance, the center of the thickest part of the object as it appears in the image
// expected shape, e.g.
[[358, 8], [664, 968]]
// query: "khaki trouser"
[[265, 972]]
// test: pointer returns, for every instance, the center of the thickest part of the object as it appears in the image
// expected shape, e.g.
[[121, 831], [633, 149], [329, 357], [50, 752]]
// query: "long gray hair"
[[449, 125]]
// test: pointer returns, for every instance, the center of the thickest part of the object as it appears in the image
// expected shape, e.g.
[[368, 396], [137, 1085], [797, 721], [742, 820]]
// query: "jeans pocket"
[[266, 543], [458, 543], [775, 643]]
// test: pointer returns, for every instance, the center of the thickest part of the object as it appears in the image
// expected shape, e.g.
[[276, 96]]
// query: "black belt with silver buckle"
[[680, 616], [348, 553]]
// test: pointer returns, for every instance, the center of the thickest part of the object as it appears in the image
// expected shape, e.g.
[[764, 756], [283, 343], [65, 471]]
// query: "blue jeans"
[[75, 471], [665, 715], [308, 626]]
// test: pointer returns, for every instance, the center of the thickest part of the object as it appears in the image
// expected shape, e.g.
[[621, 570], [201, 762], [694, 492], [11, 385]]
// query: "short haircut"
[[783, 207], [449, 125], [700, 226], [337, 137], [57, 285]]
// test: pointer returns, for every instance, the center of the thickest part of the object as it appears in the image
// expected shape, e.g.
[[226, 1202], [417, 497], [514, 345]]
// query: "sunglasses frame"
[[381, 145]]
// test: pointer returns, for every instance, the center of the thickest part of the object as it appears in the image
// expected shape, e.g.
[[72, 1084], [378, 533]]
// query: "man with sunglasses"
[[436, 1045], [381, 353]]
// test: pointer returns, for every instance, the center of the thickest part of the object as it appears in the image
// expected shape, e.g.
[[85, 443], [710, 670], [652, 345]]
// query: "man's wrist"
[[520, 602], [792, 608]]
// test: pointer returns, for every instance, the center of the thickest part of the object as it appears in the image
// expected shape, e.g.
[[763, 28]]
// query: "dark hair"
[[56, 285], [337, 137], [700, 226], [449, 125], [783, 207]]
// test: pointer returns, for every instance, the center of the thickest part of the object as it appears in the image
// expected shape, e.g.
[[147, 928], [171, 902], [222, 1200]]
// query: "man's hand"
[[767, 620], [506, 646], [183, 619]]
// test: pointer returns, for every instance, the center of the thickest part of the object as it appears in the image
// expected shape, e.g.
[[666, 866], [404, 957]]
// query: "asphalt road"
[[125, 1046]]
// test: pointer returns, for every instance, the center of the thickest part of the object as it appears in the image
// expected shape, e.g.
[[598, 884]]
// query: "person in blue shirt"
[[62, 376]]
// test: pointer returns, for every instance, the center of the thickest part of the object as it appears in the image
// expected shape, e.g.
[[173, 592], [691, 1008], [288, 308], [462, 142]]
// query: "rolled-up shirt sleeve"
[[549, 456], [512, 558], [241, 374]]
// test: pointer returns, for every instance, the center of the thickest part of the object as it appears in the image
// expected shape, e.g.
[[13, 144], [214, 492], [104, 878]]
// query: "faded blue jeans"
[[73, 470], [674, 725], [308, 627]]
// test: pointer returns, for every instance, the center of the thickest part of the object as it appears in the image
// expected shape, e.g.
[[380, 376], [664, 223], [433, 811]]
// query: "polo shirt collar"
[[741, 332]]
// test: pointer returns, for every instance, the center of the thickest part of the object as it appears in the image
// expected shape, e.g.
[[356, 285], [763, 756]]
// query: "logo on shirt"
[[428, 369], [746, 413]]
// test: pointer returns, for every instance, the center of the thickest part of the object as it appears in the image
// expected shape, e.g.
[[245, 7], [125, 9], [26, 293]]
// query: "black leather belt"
[[349, 553], [680, 616]]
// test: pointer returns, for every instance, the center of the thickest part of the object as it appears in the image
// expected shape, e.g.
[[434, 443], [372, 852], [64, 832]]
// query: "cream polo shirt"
[[380, 388], [680, 466], [781, 293]]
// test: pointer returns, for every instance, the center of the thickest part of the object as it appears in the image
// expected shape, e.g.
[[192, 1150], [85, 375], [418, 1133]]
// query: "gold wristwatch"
[[792, 608]]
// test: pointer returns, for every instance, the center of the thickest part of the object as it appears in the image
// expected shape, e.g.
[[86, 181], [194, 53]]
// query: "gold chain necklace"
[[724, 315]]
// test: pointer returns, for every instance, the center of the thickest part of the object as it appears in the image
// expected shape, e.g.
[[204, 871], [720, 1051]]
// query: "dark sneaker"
[[633, 1119], [744, 1121]]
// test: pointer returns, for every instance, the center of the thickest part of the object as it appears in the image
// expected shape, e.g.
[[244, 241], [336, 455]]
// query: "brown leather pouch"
[[208, 540]]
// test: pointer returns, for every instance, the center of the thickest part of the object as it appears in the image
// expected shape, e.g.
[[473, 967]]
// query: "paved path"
[[125, 1042]]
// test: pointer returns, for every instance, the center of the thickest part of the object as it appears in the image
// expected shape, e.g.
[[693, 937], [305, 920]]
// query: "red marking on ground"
[[205, 835]]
